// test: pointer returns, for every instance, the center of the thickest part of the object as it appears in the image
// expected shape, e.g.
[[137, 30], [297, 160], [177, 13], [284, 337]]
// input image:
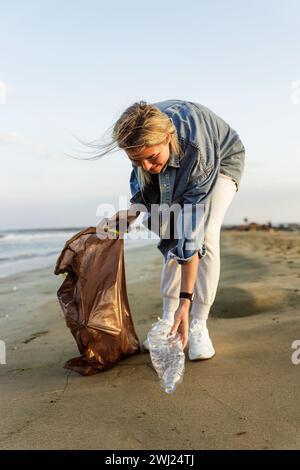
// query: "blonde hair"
[[141, 125]]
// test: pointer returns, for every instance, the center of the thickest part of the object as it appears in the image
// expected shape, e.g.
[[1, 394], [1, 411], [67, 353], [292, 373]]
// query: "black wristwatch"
[[187, 295]]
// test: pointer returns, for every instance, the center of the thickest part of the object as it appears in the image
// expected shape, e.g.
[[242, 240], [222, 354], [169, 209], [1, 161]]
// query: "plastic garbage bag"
[[93, 298]]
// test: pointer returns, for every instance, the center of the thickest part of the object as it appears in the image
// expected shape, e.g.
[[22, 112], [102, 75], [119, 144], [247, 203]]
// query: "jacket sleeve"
[[192, 216]]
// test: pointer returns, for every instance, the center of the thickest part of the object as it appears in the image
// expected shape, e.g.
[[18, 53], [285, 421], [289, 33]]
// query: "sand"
[[246, 397]]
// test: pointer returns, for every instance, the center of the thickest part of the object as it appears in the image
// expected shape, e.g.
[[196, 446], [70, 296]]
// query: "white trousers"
[[209, 266]]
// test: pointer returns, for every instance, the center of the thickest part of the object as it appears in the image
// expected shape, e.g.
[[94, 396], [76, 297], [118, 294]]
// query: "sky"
[[68, 69]]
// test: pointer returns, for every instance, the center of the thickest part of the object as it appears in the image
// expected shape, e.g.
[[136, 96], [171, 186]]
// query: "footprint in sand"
[[34, 336]]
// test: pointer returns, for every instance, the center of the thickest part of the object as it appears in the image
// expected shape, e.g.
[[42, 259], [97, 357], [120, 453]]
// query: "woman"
[[182, 152]]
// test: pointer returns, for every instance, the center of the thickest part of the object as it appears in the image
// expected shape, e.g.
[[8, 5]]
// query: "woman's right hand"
[[110, 224], [119, 222]]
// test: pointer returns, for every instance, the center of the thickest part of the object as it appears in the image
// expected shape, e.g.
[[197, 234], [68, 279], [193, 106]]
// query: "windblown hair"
[[141, 125]]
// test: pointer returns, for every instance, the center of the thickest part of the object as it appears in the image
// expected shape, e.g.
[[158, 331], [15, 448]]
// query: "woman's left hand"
[[181, 323]]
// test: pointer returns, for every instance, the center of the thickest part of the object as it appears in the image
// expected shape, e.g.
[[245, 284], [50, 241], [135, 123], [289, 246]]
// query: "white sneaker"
[[200, 345], [145, 345]]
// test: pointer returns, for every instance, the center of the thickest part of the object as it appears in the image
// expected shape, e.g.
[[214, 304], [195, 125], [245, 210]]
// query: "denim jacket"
[[210, 146]]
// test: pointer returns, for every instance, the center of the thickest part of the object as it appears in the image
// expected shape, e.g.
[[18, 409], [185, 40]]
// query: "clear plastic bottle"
[[166, 354]]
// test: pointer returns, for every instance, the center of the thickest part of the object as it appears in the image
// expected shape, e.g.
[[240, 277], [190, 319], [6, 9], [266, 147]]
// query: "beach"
[[246, 397]]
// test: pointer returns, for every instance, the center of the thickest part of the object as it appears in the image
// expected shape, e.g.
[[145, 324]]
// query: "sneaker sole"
[[201, 357], [191, 358]]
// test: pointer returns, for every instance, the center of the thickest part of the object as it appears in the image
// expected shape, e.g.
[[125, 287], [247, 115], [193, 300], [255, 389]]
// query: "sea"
[[27, 249]]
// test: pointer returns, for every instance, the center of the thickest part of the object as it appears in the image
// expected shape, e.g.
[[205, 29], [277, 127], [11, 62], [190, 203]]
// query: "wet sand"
[[246, 397]]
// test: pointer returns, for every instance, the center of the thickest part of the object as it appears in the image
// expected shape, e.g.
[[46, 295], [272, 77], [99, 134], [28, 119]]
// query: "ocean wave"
[[21, 237], [27, 256], [43, 235]]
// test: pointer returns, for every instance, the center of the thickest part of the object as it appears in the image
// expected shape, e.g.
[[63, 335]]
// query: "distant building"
[[269, 227]]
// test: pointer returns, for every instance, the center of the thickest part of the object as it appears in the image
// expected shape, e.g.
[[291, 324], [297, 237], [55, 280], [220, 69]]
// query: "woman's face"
[[152, 159]]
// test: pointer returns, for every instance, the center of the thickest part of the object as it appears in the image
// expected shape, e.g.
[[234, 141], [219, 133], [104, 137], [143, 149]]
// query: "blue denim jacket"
[[210, 147]]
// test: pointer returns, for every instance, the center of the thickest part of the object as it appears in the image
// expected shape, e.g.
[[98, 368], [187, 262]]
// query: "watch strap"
[[186, 295]]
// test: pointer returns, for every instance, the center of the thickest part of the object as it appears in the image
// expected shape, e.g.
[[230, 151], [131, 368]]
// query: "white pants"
[[209, 266]]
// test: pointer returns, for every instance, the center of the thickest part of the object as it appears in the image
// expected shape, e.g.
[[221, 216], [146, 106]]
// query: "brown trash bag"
[[94, 300]]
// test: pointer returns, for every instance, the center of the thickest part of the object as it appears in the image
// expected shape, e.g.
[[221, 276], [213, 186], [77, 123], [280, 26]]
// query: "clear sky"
[[71, 67]]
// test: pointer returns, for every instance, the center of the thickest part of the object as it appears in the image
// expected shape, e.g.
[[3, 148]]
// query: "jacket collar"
[[173, 161]]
